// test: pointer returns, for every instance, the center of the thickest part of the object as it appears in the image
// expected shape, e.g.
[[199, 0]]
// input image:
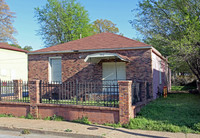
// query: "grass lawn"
[[176, 113], [182, 88]]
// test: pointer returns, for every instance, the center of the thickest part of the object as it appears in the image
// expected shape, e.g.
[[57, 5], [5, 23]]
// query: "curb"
[[69, 134]]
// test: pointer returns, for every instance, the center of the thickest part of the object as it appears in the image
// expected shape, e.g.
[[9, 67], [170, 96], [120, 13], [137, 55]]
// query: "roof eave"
[[90, 50], [18, 50]]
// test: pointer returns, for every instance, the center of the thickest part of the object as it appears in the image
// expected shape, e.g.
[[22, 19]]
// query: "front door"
[[112, 72]]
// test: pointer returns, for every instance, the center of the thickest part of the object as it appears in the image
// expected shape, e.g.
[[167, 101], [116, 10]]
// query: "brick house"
[[103, 56]]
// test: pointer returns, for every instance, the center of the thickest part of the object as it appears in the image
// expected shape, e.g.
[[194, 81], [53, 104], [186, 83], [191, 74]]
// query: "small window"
[[55, 70]]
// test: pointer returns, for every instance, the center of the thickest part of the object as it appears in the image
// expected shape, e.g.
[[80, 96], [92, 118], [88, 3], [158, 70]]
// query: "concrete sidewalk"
[[78, 130]]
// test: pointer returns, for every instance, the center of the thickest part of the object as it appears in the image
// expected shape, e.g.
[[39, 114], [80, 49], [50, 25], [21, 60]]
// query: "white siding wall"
[[157, 70], [13, 65]]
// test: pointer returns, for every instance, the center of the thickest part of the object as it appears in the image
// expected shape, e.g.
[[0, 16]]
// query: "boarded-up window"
[[55, 73]]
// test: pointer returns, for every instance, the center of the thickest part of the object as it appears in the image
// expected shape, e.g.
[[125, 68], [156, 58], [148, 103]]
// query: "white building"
[[13, 63]]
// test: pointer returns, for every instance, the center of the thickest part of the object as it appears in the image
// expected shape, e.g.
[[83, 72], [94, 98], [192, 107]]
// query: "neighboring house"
[[104, 56], [13, 63]]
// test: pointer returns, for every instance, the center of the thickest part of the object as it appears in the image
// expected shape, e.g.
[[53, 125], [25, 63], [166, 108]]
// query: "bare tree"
[[6, 19]]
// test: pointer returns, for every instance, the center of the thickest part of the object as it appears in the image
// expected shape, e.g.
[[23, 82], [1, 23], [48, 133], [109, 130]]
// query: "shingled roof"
[[99, 41], [8, 47]]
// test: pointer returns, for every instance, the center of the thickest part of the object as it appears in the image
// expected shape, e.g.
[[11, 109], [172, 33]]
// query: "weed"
[[25, 131], [113, 125], [47, 118], [29, 116], [10, 115], [6, 115], [57, 118], [54, 117], [68, 130], [22, 116], [83, 120]]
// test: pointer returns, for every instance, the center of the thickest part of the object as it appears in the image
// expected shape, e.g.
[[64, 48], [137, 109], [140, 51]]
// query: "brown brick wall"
[[16, 109], [74, 67], [72, 112], [69, 112]]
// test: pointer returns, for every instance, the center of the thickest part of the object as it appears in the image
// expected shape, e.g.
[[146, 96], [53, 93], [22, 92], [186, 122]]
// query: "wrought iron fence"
[[14, 91], [140, 91], [95, 93]]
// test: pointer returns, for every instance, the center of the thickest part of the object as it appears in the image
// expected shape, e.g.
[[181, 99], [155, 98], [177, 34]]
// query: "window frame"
[[49, 66]]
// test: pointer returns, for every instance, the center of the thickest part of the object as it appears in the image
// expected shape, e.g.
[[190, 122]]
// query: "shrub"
[[197, 127]]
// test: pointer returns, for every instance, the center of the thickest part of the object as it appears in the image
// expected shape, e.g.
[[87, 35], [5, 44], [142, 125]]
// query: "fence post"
[[125, 101], [40, 90], [17, 89], [76, 85], [34, 97], [145, 91]]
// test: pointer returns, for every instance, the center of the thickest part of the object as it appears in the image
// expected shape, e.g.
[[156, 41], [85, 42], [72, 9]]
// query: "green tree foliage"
[[28, 48], [104, 26], [62, 21], [6, 19], [172, 27]]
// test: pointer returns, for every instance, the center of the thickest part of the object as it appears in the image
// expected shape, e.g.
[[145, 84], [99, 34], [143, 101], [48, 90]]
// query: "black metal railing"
[[140, 91], [14, 91], [93, 93]]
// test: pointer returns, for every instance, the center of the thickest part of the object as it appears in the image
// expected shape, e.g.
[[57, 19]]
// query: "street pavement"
[[16, 134], [44, 128]]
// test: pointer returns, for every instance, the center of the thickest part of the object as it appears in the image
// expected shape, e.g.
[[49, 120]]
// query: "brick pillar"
[[34, 97], [18, 89], [125, 101]]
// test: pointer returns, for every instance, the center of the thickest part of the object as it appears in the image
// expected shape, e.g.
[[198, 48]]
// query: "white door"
[[112, 72], [55, 69]]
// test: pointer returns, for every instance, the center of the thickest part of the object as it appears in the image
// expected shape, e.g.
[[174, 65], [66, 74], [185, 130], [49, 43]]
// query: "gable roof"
[[100, 41], [8, 47]]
